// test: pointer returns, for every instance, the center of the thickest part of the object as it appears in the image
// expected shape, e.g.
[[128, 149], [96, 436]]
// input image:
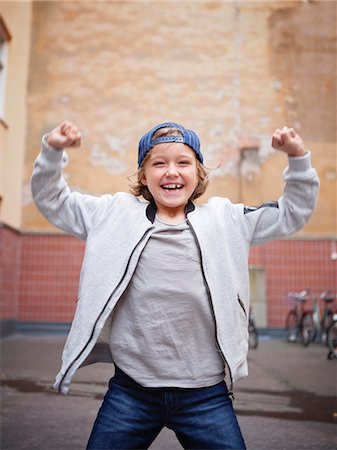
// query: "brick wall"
[[294, 265], [49, 276], [41, 274], [10, 252], [232, 71]]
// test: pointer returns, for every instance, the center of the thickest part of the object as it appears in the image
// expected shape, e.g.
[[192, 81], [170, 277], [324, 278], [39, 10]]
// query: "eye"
[[184, 163], [158, 163]]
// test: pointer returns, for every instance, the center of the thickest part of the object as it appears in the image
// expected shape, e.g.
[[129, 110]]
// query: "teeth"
[[172, 186]]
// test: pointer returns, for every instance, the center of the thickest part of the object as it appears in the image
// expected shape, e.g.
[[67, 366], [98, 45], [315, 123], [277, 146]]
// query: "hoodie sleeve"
[[72, 212], [290, 213]]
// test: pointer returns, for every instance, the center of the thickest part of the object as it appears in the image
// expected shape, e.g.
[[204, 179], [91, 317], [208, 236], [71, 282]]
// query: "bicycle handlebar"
[[299, 296], [327, 296], [304, 295]]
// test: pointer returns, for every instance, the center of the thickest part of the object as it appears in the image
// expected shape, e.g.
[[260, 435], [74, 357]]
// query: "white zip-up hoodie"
[[117, 227]]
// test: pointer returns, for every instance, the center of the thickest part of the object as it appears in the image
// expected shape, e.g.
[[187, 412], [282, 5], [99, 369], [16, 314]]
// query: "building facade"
[[233, 71]]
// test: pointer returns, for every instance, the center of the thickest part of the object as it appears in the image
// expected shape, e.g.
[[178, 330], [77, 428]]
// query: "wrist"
[[52, 154], [297, 154], [51, 142]]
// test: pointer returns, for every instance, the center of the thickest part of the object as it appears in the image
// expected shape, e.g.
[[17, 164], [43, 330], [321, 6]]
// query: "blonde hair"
[[140, 190]]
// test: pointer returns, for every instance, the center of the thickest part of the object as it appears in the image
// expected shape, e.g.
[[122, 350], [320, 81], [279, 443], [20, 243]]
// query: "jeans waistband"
[[123, 379]]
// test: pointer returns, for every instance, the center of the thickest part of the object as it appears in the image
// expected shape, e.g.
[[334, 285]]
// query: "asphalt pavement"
[[288, 401]]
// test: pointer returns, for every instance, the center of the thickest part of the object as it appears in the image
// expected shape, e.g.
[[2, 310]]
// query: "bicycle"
[[253, 340], [332, 338], [323, 322], [299, 323]]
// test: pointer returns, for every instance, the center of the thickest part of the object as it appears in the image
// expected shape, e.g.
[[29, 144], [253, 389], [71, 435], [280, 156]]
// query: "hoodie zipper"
[[230, 392], [242, 305], [104, 308]]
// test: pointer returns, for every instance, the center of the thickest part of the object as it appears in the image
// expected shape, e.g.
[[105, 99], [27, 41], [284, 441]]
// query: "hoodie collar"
[[152, 209]]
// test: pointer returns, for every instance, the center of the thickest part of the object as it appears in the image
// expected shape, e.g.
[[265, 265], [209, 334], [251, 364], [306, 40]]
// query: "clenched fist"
[[288, 141], [65, 135]]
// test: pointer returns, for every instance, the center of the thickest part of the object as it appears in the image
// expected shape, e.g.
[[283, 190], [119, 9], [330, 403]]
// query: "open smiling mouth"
[[172, 187]]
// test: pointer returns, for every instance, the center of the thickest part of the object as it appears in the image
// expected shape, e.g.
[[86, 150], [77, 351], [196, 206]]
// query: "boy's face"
[[170, 173]]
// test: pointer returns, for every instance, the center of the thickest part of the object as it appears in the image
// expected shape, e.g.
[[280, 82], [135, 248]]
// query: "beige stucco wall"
[[233, 71], [17, 17]]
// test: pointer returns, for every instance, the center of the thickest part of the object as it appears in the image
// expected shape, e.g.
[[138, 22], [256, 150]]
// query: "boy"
[[164, 289]]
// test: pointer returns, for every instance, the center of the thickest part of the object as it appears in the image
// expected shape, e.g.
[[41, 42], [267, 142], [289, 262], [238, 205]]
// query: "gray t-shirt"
[[163, 332]]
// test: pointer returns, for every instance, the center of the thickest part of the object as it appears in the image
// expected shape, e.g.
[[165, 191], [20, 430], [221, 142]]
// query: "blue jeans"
[[132, 416]]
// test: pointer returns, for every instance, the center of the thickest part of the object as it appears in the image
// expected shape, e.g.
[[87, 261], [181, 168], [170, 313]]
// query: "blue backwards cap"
[[189, 137]]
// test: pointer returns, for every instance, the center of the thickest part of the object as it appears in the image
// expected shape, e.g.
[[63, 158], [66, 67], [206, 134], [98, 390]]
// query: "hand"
[[288, 141], [65, 135]]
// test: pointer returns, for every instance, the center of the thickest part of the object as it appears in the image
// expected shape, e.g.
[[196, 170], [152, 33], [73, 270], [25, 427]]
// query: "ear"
[[143, 180]]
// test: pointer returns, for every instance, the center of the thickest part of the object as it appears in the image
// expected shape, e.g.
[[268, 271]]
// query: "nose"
[[172, 171]]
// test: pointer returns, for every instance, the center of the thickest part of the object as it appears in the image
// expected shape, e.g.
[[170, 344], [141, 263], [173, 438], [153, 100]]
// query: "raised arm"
[[294, 208], [70, 211]]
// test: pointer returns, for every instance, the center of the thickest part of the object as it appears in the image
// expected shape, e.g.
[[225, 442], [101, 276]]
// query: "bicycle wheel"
[[291, 326], [308, 329], [326, 322], [253, 340], [332, 340]]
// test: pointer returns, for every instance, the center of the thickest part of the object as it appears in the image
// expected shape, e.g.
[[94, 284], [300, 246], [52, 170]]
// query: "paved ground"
[[287, 402]]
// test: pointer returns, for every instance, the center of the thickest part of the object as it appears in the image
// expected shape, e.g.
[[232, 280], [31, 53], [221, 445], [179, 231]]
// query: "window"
[[4, 39]]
